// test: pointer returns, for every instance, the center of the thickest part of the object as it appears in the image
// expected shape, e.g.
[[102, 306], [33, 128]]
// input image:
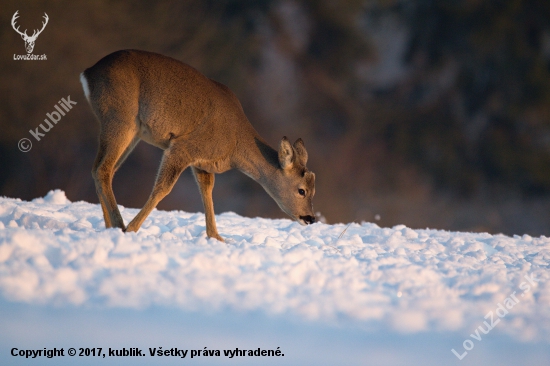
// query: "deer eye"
[[301, 192]]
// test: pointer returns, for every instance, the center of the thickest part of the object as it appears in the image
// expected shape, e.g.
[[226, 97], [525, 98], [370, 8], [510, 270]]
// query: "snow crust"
[[56, 252]]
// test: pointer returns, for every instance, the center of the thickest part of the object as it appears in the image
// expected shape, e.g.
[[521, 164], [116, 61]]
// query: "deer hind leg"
[[205, 182], [174, 161], [126, 152], [114, 146]]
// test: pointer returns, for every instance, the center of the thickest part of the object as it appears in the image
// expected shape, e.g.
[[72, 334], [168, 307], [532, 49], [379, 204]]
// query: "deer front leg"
[[205, 182], [173, 163]]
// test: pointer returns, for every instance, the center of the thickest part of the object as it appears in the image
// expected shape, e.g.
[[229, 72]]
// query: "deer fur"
[[198, 122]]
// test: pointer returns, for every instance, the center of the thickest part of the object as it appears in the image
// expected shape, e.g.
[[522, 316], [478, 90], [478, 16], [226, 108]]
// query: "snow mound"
[[56, 252], [56, 197]]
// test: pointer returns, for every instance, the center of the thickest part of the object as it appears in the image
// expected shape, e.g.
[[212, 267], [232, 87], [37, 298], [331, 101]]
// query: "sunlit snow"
[[55, 254]]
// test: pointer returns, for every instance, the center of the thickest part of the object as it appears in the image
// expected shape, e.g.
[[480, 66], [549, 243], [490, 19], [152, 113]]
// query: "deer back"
[[168, 100]]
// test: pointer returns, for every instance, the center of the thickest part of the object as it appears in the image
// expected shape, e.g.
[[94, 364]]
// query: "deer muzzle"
[[307, 220]]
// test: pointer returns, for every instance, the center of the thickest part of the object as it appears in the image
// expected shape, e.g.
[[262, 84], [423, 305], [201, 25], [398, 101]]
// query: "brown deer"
[[198, 122]]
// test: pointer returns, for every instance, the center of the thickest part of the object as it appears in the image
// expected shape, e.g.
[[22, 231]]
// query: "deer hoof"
[[217, 237]]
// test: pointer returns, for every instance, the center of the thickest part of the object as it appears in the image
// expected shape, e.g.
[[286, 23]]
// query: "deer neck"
[[258, 160]]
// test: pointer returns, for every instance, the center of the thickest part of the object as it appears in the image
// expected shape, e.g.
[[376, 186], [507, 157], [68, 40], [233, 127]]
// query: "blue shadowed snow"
[[381, 296]]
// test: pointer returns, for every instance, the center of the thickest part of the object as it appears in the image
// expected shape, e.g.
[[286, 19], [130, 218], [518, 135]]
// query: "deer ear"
[[301, 153], [286, 153]]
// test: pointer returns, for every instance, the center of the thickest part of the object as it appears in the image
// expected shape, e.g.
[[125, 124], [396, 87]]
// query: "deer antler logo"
[[29, 40]]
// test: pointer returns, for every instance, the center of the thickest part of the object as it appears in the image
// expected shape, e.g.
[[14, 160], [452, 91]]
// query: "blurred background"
[[424, 113]]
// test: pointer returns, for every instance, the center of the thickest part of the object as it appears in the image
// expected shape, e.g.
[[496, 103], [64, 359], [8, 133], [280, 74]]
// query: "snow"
[[388, 293]]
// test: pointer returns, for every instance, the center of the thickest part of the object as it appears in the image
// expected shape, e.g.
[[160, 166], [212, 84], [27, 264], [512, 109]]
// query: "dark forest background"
[[425, 113]]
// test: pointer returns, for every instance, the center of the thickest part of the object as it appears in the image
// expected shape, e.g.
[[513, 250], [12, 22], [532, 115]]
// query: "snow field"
[[54, 252]]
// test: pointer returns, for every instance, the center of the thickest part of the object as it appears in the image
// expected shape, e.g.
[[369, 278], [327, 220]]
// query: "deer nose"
[[308, 219]]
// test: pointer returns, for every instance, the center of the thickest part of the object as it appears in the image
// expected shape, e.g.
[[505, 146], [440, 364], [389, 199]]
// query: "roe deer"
[[198, 122]]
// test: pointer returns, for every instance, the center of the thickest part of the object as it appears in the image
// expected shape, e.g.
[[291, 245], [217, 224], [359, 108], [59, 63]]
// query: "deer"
[[29, 41], [198, 122]]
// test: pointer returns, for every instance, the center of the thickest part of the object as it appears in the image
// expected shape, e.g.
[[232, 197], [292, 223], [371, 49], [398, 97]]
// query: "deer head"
[[293, 185], [29, 40]]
